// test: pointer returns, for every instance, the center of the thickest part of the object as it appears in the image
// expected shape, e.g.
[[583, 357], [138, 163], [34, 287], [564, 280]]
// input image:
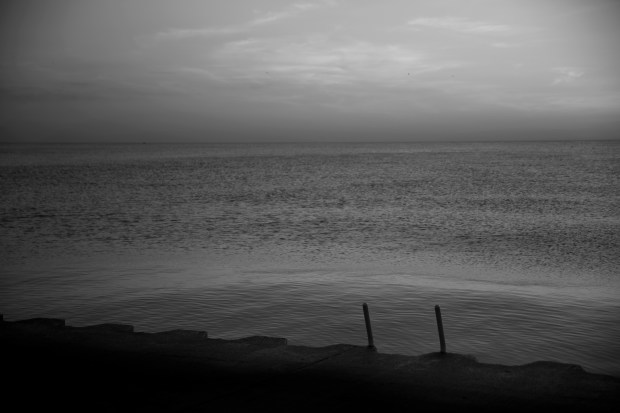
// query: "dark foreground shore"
[[109, 367]]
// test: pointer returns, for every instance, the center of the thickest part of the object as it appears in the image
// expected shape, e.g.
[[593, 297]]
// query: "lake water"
[[519, 243]]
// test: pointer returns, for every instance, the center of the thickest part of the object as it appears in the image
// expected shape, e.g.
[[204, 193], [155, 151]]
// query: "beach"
[[110, 367]]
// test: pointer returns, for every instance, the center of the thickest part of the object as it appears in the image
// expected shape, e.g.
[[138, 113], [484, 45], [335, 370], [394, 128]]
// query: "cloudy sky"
[[341, 70]]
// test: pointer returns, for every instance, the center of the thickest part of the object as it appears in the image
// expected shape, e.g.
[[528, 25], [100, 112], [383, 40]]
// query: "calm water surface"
[[518, 243]]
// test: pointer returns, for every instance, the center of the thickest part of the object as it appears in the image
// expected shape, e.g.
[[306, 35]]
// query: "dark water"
[[518, 242]]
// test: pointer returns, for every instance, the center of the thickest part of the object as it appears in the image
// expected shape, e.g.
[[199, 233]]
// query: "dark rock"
[[174, 371], [44, 322], [117, 328], [181, 334], [263, 341]]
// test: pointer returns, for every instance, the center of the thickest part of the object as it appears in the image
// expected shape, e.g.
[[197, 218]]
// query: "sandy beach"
[[110, 367]]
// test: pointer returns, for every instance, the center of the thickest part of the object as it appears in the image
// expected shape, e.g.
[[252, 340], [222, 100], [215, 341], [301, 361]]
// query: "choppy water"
[[518, 243]]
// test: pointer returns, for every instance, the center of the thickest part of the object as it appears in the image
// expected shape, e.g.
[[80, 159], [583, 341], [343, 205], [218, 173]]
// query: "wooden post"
[[442, 339], [371, 343]]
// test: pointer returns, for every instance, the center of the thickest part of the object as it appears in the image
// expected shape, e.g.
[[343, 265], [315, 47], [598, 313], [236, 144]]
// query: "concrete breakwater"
[[111, 367]]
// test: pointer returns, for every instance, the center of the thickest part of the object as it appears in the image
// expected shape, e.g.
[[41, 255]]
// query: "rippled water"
[[518, 243]]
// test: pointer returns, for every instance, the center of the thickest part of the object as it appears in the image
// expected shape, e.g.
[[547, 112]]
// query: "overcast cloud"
[[268, 70]]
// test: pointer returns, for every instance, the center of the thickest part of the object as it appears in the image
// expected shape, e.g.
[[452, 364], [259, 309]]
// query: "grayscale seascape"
[[519, 242]]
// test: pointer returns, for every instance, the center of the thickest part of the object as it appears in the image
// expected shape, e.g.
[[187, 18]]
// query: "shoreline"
[[109, 367]]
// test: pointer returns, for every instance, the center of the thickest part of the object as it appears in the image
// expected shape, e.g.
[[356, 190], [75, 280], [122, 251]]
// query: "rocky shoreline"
[[110, 367]]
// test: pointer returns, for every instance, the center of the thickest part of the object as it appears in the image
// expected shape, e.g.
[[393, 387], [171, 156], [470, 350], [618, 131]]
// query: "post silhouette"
[[371, 343], [442, 339]]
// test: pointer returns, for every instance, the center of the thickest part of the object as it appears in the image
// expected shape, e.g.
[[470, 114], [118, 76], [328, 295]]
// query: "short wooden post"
[[442, 339], [371, 343]]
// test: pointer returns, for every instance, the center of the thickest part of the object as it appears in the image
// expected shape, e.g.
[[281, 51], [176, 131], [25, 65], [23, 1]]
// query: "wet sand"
[[49, 365]]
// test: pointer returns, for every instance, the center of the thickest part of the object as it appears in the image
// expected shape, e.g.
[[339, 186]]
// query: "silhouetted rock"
[[183, 334], [108, 368], [44, 322], [119, 328], [264, 341]]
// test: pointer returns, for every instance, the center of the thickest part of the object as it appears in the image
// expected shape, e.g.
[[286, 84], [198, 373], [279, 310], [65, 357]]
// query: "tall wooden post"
[[442, 339], [371, 343]]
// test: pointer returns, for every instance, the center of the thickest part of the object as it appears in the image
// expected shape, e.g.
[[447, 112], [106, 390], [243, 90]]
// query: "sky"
[[308, 70]]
